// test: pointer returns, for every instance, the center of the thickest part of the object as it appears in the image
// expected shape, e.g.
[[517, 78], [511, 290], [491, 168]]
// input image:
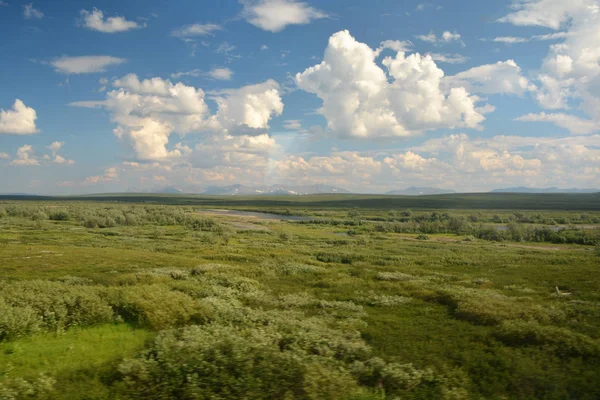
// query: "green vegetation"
[[112, 300]]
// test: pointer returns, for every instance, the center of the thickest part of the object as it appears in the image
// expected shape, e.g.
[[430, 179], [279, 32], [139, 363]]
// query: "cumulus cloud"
[[235, 151], [276, 15], [147, 112], [85, 64], [4, 156], [359, 101], [29, 12], [395, 45], [19, 121], [503, 77], [454, 161], [57, 158], [249, 107], [192, 30], [25, 157], [94, 20], [570, 74], [574, 124]]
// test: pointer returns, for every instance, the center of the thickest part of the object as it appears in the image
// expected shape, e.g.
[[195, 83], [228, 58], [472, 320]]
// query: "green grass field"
[[157, 297]]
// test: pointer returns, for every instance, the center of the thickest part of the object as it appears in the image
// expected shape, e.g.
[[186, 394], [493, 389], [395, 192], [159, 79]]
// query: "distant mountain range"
[[419, 191], [243, 190], [234, 190], [522, 189]]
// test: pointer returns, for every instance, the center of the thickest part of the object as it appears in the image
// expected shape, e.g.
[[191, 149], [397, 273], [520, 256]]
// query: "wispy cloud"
[[29, 12], [445, 38], [223, 74], [85, 64], [449, 58], [192, 30], [516, 39]]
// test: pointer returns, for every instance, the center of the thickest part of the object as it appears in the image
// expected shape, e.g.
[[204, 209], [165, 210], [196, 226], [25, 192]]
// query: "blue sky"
[[371, 96]]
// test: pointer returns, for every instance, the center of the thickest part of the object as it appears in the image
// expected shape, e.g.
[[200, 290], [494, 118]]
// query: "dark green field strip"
[[477, 201]]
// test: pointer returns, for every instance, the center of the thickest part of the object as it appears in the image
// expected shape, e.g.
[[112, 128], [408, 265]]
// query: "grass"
[[79, 359], [473, 318]]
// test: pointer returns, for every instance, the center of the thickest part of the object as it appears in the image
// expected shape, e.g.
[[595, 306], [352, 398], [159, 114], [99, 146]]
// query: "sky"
[[370, 96]]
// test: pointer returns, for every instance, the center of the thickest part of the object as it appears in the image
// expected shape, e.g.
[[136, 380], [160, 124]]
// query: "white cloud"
[[570, 74], [29, 12], [449, 58], [514, 39], [249, 107], [510, 39], [147, 112], [85, 64], [359, 101], [25, 157], [395, 45], [455, 161], [19, 121], [444, 38], [57, 158], [55, 146], [103, 82], [194, 73], [235, 151], [4, 156], [223, 74], [276, 15], [292, 124], [226, 50], [110, 175], [574, 124], [192, 30], [502, 77], [450, 36], [429, 38], [548, 13], [553, 93], [264, 47], [95, 21]]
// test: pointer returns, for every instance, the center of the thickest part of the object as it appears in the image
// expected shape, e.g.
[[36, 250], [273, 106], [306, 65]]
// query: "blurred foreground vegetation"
[[135, 301]]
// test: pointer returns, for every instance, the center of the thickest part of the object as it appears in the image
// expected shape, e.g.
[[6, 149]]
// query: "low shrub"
[[41, 388], [58, 215], [156, 306], [564, 342], [57, 305], [393, 276], [222, 362], [17, 321]]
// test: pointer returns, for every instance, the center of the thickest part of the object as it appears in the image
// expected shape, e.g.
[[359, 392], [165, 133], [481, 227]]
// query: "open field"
[[490, 201], [366, 297]]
